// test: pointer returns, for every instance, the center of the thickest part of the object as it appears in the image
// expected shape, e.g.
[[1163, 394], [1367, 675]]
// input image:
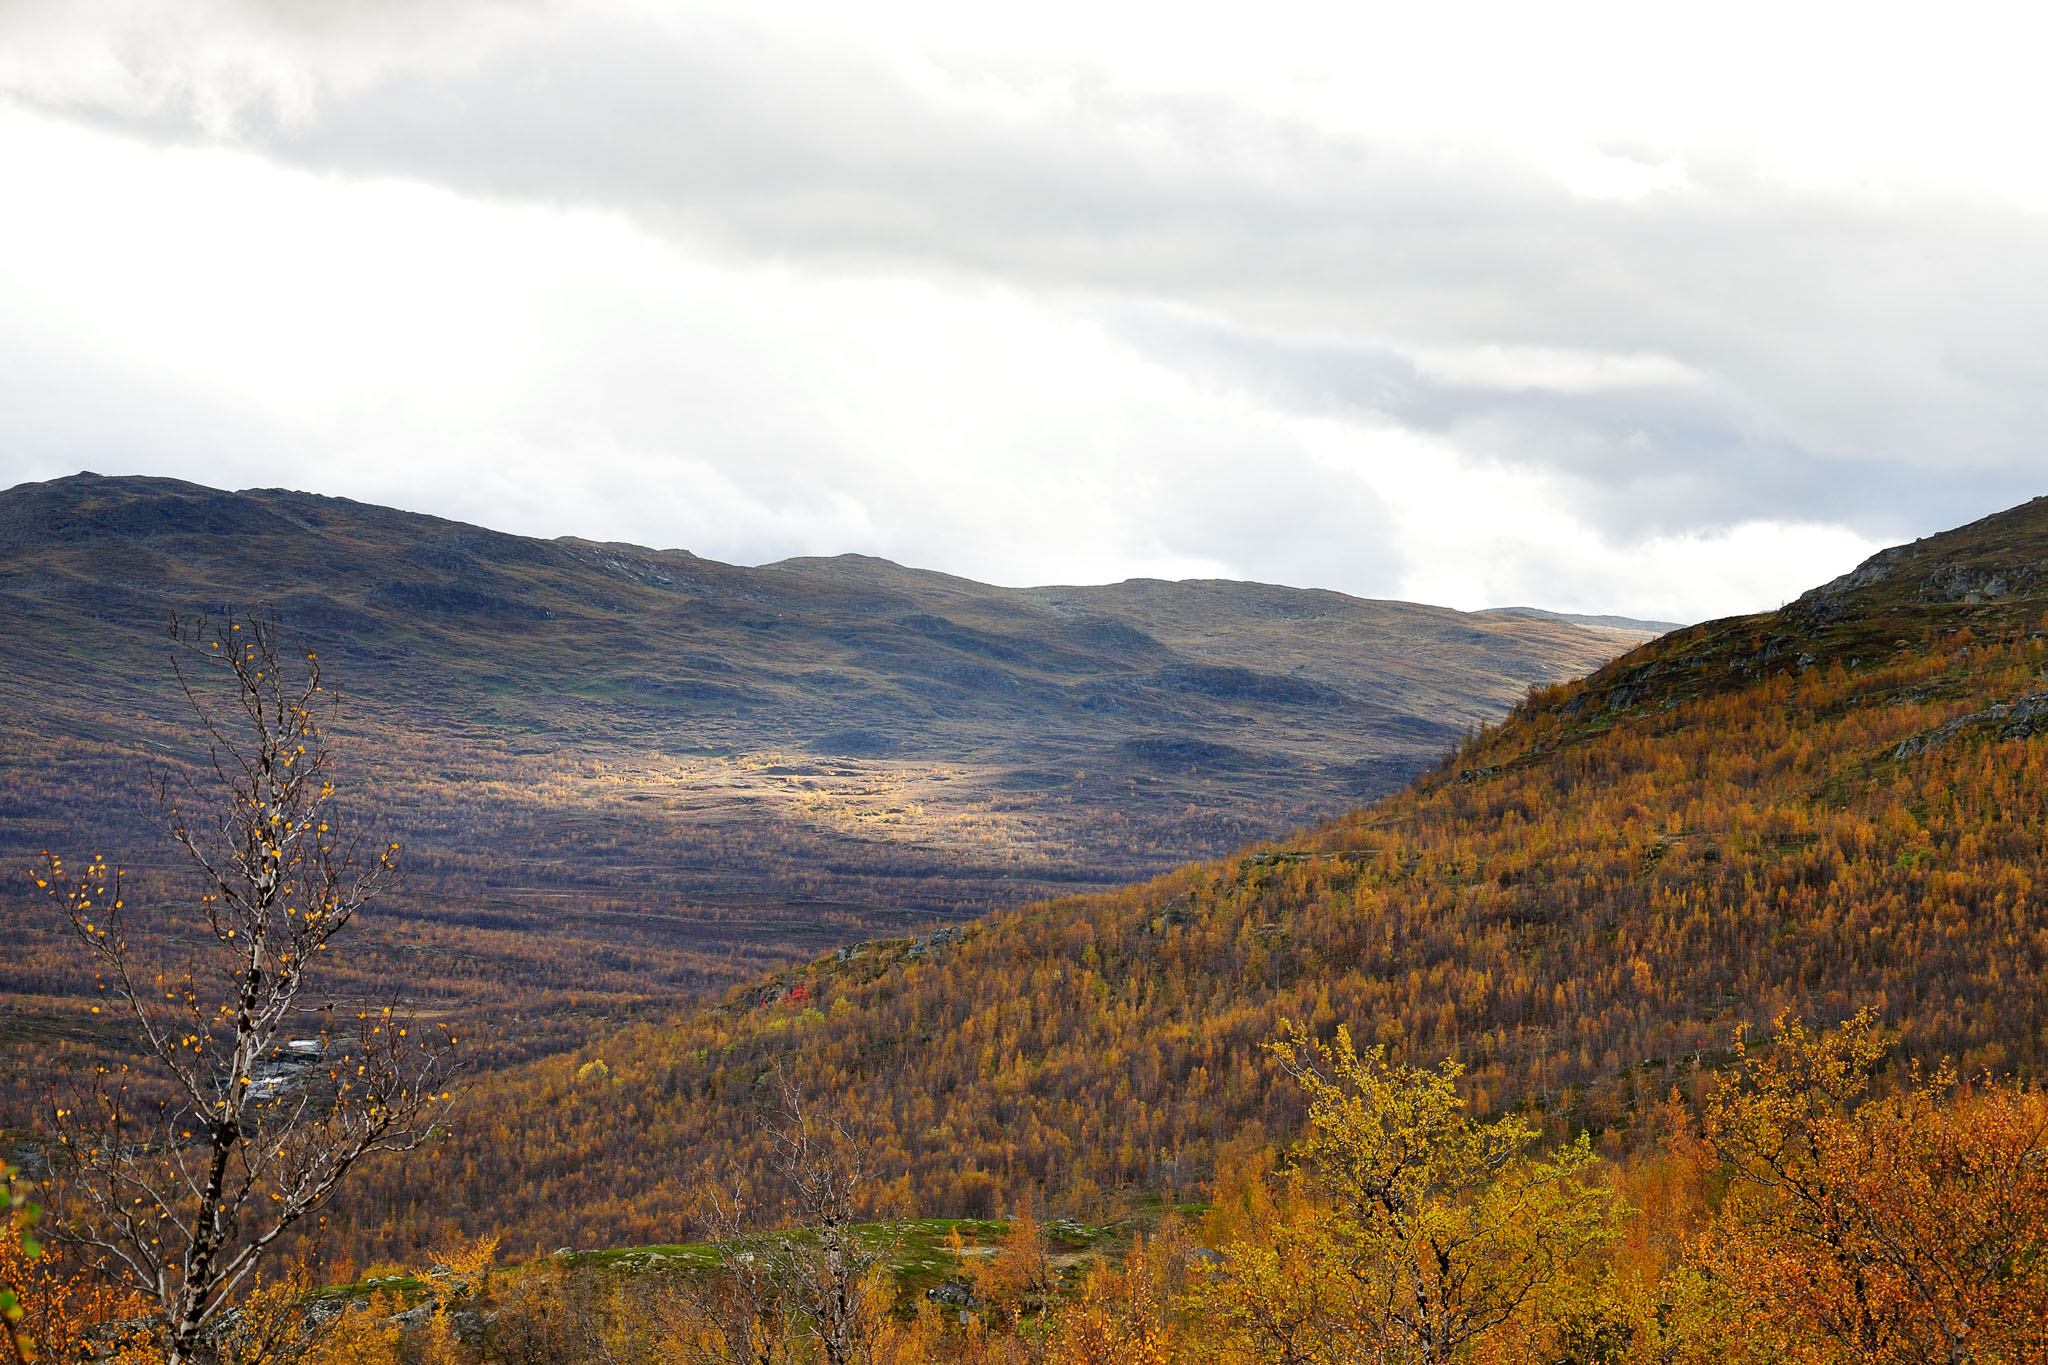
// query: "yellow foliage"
[[1908, 1227], [1019, 1279], [68, 1313], [1121, 1318], [464, 1269], [1406, 1229], [359, 1336]]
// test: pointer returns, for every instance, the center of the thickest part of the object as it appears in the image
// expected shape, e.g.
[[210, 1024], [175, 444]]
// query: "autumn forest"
[[1687, 1011]]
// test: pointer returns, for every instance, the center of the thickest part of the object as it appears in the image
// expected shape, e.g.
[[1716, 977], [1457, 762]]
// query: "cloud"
[[564, 373], [1070, 292]]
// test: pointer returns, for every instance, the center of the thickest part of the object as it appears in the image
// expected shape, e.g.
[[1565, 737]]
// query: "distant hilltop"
[[704, 768], [1629, 623]]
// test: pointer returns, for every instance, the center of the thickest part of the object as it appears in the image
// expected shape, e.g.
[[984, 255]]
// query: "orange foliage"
[[1904, 1228], [68, 1313], [1580, 906]]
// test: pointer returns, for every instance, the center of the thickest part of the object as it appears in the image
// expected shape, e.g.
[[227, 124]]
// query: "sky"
[[1660, 310]]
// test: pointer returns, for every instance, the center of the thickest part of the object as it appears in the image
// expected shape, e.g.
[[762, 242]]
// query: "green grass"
[[918, 1251]]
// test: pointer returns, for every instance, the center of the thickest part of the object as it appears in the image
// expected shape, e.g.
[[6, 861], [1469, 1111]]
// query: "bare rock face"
[[2018, 719], [1983, 562]]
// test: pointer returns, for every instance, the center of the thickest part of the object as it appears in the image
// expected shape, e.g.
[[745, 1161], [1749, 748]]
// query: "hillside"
[[1631, 624], [625, 774], [1838, 803]]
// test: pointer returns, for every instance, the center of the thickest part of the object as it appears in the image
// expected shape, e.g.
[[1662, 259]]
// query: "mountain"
[[623, 773], [1631, 624], [1843, 802]]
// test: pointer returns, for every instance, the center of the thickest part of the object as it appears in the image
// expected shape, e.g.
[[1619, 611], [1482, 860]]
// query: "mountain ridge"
[[1629, 623]]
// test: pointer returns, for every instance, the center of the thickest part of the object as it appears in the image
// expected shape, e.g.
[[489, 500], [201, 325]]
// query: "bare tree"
[[178, 1175], [829, 1272], [735, 1315]]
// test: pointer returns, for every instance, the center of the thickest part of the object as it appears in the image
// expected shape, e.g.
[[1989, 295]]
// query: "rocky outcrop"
[[934, 941], [2018, 719]]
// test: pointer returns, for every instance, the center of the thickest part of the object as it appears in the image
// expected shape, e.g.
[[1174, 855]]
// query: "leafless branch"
[[179, 1183]]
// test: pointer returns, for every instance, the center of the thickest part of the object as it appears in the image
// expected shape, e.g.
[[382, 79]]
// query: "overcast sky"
[[1573, 306]]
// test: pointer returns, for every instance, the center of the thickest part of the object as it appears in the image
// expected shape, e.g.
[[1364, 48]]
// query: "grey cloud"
[[1868, 362], [1647, 460], [1281, 520]]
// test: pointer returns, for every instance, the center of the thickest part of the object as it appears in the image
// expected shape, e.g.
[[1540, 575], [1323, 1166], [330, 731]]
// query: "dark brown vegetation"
[[1839, 803], [625, 777]]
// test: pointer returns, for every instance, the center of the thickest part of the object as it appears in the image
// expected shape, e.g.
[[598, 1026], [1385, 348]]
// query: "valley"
[[627, 778], [1833, 805]]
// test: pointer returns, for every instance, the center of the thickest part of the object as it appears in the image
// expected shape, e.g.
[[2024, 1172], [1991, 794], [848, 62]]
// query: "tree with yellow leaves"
[[1124, 1315], [258, 1099], [1904, 1227], [1019, 1281], [1406, 1230], [52, 1308]]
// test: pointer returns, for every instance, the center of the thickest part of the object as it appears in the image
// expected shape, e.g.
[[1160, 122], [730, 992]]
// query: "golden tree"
[[1020, 1279], [53, 1308], [1122, 1316], [254, 1096], [1910, 1226], [1413, 1231]]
